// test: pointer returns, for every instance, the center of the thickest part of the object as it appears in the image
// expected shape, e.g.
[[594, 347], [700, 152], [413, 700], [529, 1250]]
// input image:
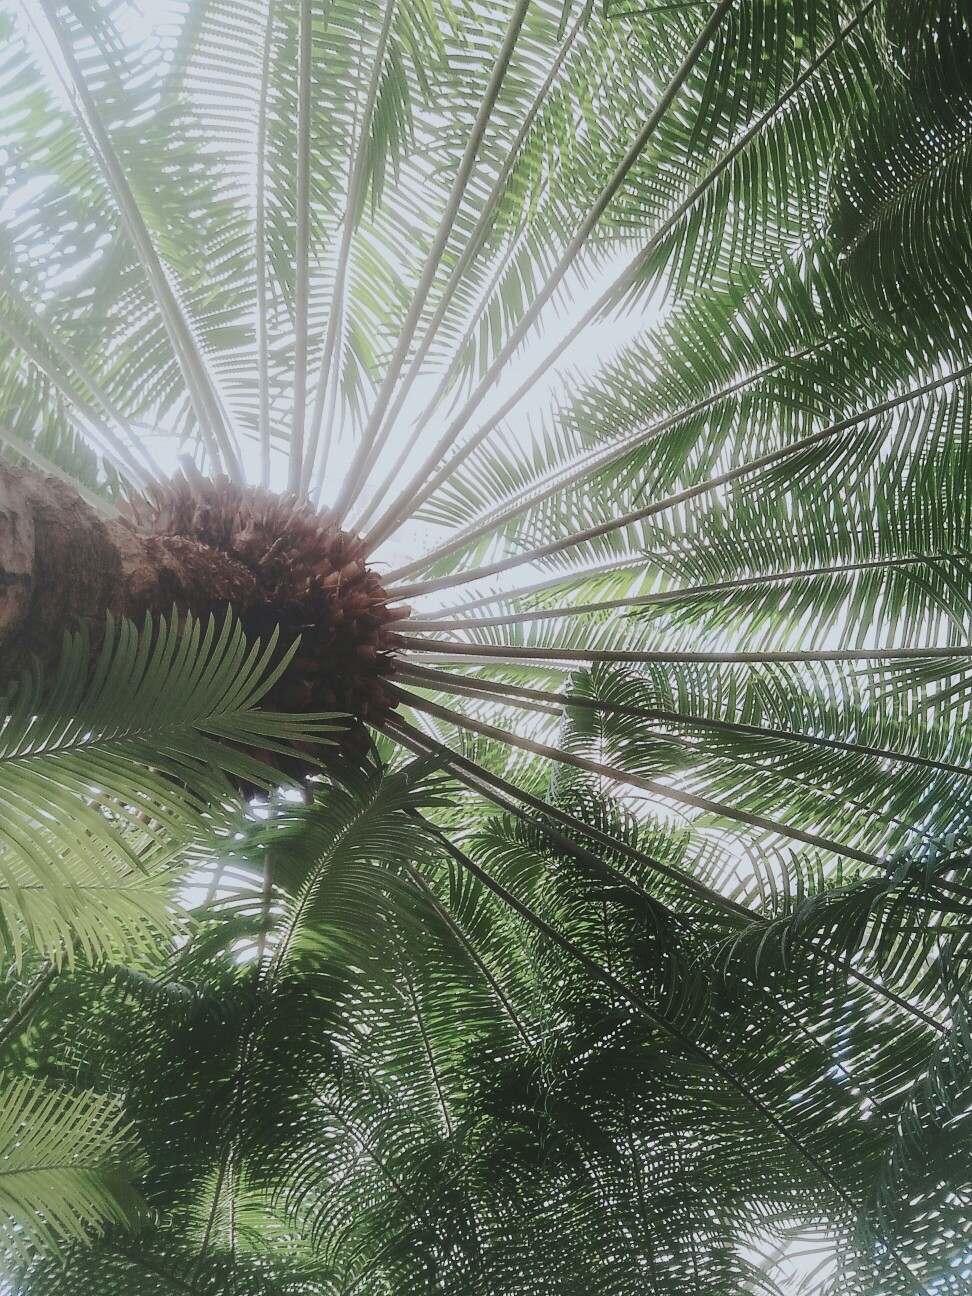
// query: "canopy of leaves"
[[634, 340]]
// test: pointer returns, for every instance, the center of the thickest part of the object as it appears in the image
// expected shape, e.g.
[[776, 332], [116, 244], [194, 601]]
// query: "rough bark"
[[197, 545]]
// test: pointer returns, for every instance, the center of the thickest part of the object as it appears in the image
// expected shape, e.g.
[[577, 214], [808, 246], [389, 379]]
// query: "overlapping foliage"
[[634, 339]]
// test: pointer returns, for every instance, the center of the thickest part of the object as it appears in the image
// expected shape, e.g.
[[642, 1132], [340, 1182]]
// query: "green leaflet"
[[66, 1165], [115, 766]]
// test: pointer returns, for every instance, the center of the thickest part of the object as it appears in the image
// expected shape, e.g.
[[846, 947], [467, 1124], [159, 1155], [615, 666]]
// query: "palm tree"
[[485, 600]]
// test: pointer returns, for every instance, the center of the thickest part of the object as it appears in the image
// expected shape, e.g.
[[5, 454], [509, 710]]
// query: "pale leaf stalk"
[[664, 791], [357, 183], [436, 624], [415, 488], [555, 703], [507, 795], [511, 799], [545, 704], [406, 504], [563, 581], [460, 650], [211, 417], [751, 466], [472, 247], [589, 461], [302, 258], [358, 470], [262, 266]]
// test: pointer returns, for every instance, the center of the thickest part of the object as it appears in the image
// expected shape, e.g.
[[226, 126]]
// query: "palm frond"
[[105, 776], [66, 1164]]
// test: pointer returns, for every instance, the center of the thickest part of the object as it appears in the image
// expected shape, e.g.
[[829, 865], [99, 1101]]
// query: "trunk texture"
[[197, 545]]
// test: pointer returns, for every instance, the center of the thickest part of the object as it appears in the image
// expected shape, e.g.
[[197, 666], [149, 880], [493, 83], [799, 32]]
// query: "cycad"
[[581, 394]]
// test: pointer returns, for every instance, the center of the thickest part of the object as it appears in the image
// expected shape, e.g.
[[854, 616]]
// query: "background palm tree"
[[550, 874]]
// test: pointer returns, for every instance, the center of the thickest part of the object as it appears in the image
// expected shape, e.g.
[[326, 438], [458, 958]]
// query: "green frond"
[[66, 1168], [899, 189], [114, 767]]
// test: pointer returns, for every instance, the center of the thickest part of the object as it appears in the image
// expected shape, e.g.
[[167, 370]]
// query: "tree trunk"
[[196, 545]]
